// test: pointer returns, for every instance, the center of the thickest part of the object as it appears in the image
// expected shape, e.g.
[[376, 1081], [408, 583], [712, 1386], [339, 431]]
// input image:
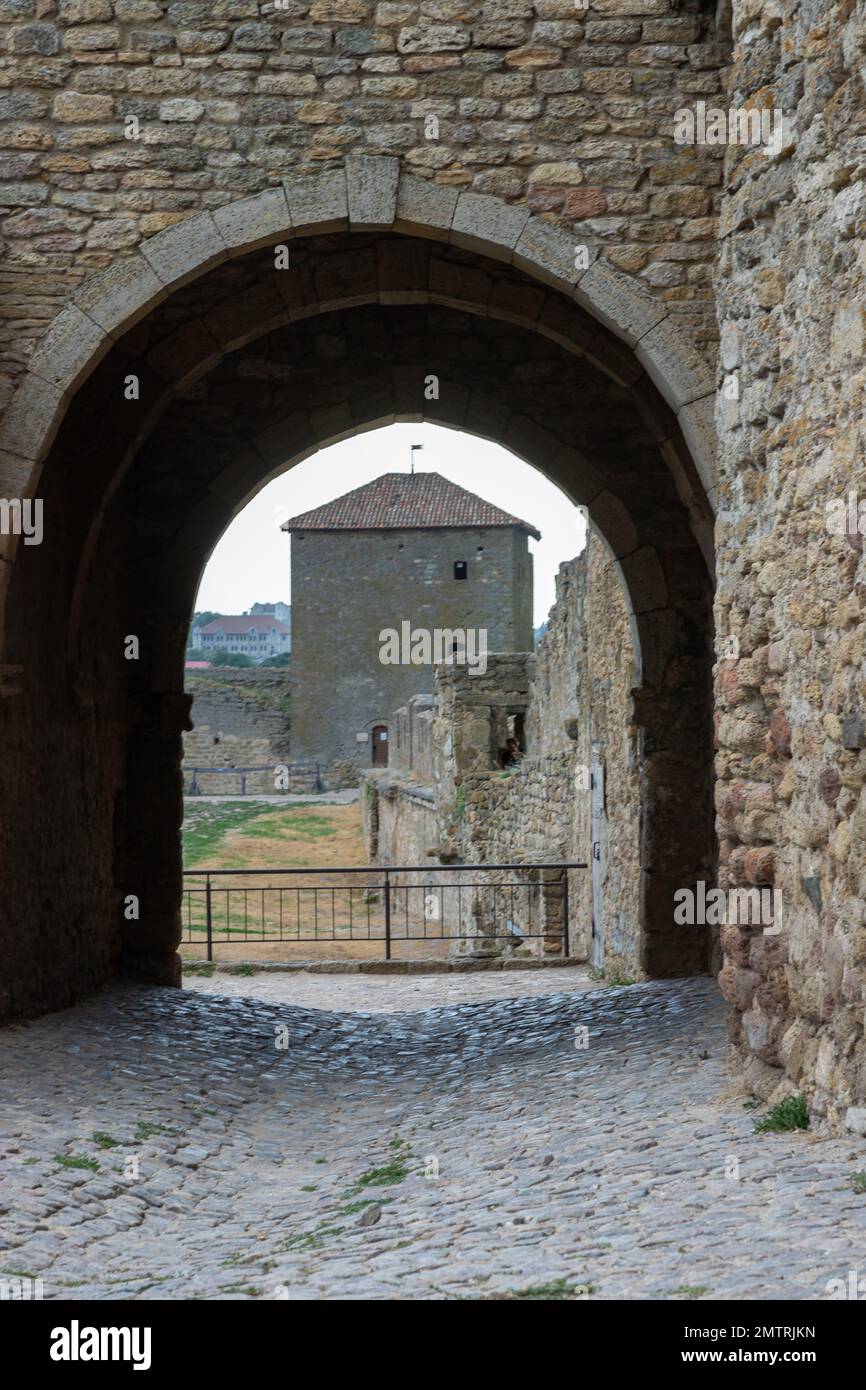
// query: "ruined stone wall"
[[121, 117], [575, 693], [243, 702], [411, 742], [791, 679], [608, 737], [240, 719]]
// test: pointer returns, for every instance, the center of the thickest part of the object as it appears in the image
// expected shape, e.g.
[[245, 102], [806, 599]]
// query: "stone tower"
[[385, 580]]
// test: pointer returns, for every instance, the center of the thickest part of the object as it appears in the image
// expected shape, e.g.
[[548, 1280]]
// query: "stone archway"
[[229, 391]]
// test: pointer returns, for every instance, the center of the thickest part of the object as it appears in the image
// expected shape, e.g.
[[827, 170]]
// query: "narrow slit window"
[[460, 569]]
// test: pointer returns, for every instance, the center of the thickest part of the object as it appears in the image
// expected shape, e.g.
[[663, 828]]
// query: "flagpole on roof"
[[412, 448]]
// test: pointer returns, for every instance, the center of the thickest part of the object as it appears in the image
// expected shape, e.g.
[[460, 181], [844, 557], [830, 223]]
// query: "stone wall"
[[411, 747], [240, 718], [790, 687], [119, 118], [561, 127], [574, 694]]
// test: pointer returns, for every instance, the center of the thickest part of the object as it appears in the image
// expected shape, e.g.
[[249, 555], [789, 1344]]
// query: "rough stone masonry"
[[526, 215]]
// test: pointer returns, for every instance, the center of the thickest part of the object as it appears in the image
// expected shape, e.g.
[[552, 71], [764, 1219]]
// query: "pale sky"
[[250, 563]]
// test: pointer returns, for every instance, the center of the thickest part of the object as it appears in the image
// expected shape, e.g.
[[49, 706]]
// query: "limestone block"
[[245, 316], [433, 38], [182, 109], [185, 354], [619, 302], [486, 416], [680, 372], [70, 349], [183, 252], [330, 424], [424, 208], [371, 190], [287, 441], [697, 422], [254, 222], [318, 202], [488, 225], [456, 284], [529, 441], [517, 303], [33, 418], [82, 106], [15, 475], [116, 298], [548, 254], [645, 579], [43, 39], [613, 520]]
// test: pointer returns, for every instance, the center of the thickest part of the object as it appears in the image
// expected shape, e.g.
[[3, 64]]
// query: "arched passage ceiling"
[[249, 369]]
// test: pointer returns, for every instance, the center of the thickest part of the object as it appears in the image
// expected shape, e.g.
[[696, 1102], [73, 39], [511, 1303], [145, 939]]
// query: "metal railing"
[[294, 769], [387, 905]]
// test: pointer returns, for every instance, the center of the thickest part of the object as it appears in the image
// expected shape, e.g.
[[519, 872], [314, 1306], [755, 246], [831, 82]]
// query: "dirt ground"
[[309, 836]]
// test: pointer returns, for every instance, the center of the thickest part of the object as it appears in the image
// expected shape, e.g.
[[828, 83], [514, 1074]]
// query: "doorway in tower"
[[380, 745]]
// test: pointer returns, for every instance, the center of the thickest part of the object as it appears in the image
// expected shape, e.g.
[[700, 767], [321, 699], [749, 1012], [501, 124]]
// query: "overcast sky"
[[250, 563]]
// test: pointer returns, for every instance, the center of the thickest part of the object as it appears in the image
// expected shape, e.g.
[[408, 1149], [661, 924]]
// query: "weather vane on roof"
[[412, 448]]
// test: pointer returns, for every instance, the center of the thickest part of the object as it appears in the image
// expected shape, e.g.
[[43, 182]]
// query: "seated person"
[[510, 755]]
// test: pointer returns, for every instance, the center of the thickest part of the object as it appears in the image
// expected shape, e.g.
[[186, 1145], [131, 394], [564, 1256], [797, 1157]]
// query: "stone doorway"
[[239, 370], [379, 739]]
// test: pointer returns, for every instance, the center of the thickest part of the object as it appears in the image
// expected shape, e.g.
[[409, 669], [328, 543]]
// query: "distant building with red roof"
[[255, 635]]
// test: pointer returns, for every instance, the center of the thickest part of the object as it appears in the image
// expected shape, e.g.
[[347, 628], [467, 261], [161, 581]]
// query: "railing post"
[[243, 784], [207, 900], [387, 915], [565, 912]]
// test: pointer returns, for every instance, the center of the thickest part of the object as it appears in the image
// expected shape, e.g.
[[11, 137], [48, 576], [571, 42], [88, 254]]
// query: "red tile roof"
[[405, 501], [234, 627]]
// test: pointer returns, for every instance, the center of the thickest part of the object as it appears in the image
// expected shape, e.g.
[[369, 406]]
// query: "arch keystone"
[[371, 191]]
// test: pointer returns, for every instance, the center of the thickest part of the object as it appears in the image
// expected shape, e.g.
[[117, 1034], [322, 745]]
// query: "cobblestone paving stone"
[[604, 1167], [392, 993]]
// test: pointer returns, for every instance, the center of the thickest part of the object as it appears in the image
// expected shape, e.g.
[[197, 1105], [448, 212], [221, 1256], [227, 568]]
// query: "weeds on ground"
[[790, 1113]]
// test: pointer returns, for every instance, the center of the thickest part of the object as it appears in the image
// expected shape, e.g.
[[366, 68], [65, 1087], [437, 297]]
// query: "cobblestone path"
[[219, 1166]]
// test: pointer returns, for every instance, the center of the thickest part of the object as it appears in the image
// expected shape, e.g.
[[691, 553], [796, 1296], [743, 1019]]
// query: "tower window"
[[460, 569]]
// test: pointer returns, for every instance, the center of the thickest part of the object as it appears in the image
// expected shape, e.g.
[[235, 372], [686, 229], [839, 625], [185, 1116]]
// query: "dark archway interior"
[[239, 375]]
